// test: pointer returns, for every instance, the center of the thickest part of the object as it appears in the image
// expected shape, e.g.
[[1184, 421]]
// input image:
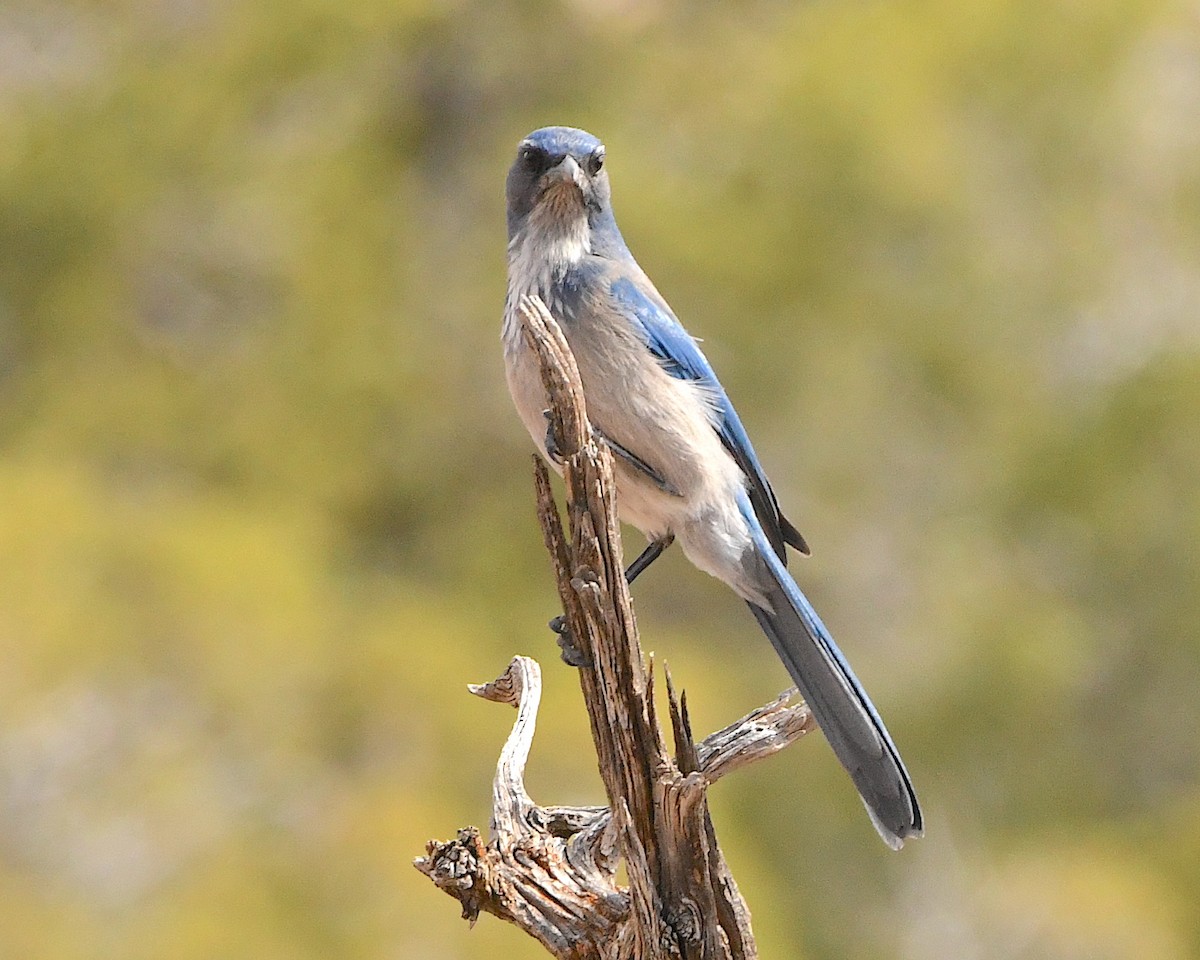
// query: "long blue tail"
[[838, 701]]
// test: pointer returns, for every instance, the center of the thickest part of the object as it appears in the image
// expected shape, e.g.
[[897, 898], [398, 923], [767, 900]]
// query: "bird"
[[685, 469]]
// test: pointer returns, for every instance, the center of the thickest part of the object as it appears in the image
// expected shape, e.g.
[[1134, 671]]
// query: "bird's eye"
[[595, 161], [533, 157]]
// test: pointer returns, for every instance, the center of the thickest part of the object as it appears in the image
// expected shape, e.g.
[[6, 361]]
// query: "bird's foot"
[[553, 450], [572, 655]]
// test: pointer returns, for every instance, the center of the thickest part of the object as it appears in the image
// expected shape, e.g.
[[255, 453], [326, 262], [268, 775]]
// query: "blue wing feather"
[[681, 357]]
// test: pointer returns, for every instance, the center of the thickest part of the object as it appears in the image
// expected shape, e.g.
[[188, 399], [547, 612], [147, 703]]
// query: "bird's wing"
[[680, 356]]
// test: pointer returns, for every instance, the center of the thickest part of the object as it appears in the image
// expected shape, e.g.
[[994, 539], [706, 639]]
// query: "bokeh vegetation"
[[265, 510]]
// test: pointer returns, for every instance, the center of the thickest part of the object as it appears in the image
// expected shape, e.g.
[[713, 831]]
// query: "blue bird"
[[685, 468]]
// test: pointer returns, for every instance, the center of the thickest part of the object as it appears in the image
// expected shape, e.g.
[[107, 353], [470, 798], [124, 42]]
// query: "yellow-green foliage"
[[264, 510]]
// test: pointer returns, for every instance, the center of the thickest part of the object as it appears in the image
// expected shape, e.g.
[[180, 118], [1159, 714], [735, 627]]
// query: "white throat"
[[546, 247]]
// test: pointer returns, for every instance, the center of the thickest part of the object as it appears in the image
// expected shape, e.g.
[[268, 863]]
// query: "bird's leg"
[[571, 654], [654, 550]]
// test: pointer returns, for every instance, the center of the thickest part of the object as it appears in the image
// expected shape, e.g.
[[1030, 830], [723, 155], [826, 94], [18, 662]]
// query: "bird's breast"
[[663, 420]]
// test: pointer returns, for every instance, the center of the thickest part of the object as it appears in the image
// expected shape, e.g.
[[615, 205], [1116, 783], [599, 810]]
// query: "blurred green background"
[[264, 508]]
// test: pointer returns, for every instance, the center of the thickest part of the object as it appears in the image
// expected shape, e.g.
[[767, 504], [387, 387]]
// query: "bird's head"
[[558, 183]]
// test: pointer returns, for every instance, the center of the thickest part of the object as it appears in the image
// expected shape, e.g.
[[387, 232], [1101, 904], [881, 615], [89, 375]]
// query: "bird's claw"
[[572, 655], [553, 450]]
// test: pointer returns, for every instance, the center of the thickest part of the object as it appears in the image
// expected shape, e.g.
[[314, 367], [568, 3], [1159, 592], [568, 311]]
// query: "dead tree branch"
[[552, 870]]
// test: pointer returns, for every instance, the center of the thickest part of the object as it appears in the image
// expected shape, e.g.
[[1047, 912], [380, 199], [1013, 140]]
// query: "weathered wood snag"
[[552, 870]]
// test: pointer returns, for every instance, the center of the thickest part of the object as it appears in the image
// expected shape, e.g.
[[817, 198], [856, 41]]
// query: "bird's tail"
[[838, 702]]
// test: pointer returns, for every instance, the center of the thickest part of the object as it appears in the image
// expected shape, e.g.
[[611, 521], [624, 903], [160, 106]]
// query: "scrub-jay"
[[684, 466]]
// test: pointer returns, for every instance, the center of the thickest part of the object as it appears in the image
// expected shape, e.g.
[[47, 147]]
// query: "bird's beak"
[[565, 171]]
